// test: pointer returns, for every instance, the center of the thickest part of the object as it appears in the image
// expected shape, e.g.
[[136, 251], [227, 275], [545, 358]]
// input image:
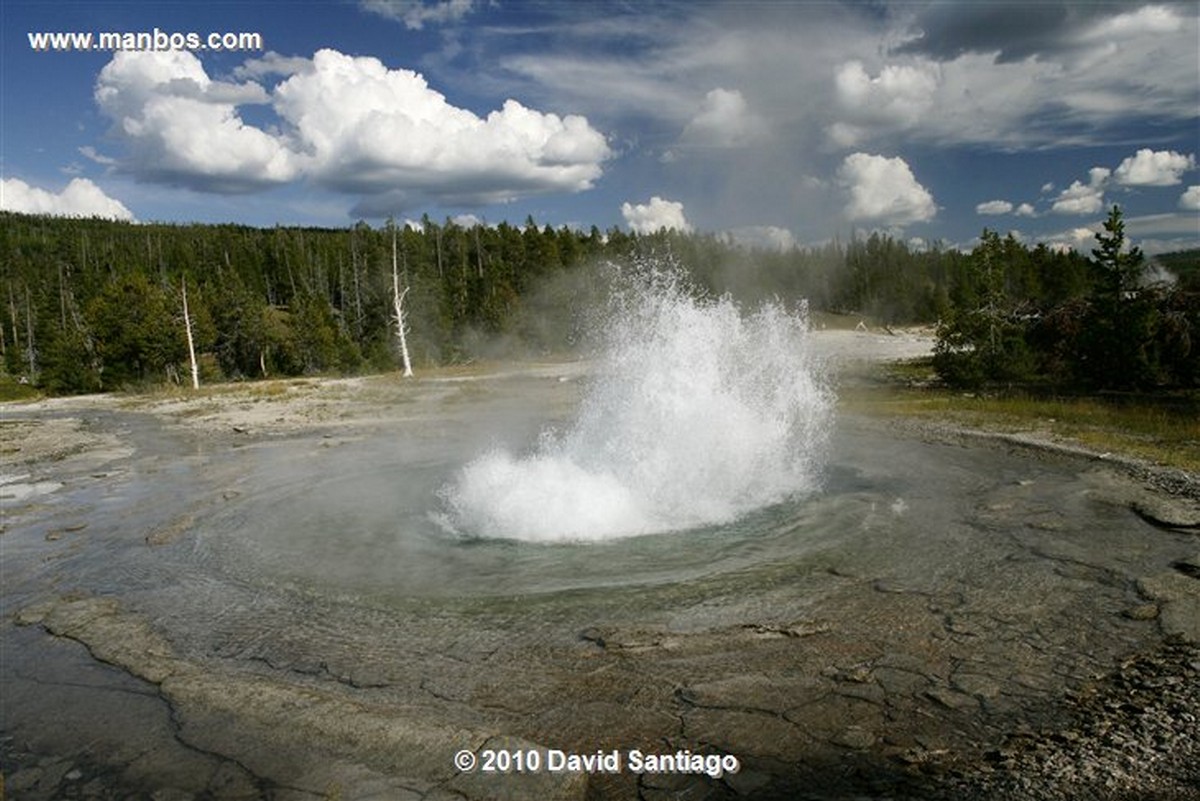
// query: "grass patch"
[[1164, 429], [832, 321], [13, 390]]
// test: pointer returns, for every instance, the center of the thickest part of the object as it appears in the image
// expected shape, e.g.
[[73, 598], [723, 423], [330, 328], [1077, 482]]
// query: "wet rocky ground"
[[1129, 735], [975, 619]]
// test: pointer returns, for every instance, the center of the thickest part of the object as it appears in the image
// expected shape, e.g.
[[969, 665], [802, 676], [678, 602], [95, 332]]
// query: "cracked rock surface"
[[944, 621]]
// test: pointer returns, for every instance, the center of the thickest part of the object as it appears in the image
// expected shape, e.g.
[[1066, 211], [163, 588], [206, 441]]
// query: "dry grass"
[[1160, 429], [13, 390]]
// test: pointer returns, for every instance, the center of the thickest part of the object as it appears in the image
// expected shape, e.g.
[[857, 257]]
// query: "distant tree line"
[[1114, 325], [88, 304]]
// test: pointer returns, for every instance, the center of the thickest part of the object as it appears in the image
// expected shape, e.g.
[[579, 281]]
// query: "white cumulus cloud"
[[1081, 198], [899, 97], [884, 191], [182, 127], [368, 129], [646, 218], [347, 123], [80, 198], [997, 207], [899, 94], [1154, 168], [762, 237], [724, 120], [1079, 239], [1190, 199], [994, 207]]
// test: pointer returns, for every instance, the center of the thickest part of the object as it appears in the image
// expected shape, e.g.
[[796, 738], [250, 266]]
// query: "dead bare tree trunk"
[[12, 310], [478, 253], [62, 298], [30, 348], [187, 324], [358, 305], [398, 302], [437, 243]]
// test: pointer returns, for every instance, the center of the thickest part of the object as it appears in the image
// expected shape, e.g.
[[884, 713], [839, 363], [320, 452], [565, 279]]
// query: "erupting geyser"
[[698, 414]]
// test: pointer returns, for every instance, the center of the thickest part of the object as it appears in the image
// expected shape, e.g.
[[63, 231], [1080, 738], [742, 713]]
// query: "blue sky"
[[778, 121]]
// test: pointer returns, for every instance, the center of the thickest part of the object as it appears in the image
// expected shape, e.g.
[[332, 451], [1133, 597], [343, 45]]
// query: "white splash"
[[698, 414]]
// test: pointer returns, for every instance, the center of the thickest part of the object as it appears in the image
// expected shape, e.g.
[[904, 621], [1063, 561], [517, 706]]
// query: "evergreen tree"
[[1115, 350], [137, 337], [1119, 268], [984, 342]]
